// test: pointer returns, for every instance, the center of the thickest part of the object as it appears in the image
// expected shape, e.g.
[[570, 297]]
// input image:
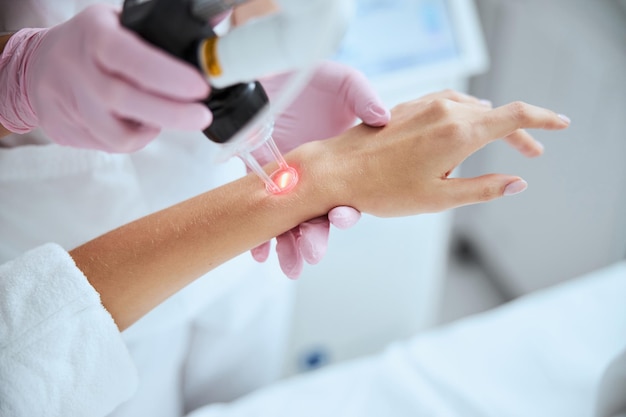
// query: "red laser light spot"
[[285, 179]]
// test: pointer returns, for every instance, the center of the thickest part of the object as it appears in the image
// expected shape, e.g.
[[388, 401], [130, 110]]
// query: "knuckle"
[[448, 92], [488, 193], [519, 110], [441, 107], [402, 109], [455, 130], [398, 107], [451, 94]]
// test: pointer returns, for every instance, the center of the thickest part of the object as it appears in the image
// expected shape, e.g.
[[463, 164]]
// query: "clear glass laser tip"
[[280, 181]]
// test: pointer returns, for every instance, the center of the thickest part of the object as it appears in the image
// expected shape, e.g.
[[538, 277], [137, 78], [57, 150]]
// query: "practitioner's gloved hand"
[[91, 83], [331, 102]]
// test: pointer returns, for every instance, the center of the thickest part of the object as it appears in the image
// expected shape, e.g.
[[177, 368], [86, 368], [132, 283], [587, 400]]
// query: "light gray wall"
[[570, 56]]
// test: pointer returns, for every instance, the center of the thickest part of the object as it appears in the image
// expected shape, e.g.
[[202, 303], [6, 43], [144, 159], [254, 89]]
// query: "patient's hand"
[[404, 167]]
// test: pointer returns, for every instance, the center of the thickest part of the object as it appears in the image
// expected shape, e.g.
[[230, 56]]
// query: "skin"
[[251, 9], [398, 170]]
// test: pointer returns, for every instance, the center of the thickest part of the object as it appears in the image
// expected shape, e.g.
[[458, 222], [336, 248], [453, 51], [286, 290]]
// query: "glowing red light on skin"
[[285, 179]]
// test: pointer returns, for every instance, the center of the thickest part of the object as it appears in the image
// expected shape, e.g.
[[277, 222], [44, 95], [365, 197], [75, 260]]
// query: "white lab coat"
[[219, 338]]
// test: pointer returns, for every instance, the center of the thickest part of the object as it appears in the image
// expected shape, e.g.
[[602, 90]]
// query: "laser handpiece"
[[181, 28]]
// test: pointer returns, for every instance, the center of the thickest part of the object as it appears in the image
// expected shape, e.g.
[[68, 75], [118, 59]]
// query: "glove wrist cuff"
[[16, 112]]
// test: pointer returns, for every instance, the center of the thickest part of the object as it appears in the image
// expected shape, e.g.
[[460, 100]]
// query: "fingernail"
[[260, 253], [515, 187], [293, 275], [344, 217], [377, 110], [565, 118], [486, 103]]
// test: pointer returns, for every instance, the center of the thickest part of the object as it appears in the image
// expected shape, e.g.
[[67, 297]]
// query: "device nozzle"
[[283, 179]]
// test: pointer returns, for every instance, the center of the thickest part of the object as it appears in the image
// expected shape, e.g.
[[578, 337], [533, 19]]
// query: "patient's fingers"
[[465, 191], [505, 120], [524, 143]]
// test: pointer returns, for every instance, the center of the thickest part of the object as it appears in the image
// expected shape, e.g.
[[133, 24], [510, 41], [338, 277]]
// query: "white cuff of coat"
[[61, 353]]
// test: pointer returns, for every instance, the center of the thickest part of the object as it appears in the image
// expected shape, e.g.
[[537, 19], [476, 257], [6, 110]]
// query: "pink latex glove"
[[331, 103], [93, 84]]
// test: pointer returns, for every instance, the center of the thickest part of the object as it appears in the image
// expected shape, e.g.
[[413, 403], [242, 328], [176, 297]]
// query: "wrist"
[[322, 186], [344, 170]]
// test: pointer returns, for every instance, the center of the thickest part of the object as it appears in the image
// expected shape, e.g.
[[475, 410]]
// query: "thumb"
[[355, 91], [465, 191], [344, 217], [367, 105]]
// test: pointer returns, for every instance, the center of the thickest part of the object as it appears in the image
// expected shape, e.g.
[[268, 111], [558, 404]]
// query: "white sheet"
[[543, 355]]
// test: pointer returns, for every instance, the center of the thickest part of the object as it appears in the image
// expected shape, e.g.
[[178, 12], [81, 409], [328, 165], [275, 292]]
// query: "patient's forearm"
[[139, 265]]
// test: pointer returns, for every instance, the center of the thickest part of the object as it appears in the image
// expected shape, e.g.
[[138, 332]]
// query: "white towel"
[[60, 351]]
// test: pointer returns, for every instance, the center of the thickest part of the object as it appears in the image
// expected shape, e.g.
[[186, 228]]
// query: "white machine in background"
[[381, 280], [568, 55]]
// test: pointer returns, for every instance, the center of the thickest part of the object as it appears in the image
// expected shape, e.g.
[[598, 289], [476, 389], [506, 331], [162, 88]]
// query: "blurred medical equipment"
[[382, 280], [571, 219], [289, 40]]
